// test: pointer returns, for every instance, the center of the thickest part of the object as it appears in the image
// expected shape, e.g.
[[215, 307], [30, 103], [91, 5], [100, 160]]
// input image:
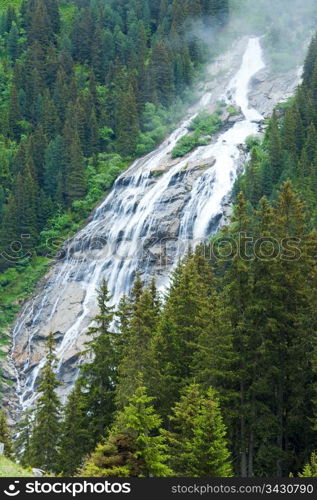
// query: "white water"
[[111, 246], [209, 190]]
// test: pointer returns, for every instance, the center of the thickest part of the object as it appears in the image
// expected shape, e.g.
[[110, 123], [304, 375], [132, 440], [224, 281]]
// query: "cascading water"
[[157, 201], [209, 190]]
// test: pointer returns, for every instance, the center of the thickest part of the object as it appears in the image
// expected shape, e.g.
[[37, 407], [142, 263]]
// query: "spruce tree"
[[275, 149], [46, 431], [13, 43], [75, 182], [135, 446], [5, 436], [197, 441], [76, 440], [180, 326], [99, 377], [310, 469], [14, 117], [139, 350], [235, 297], [23, 440], [127, 122]]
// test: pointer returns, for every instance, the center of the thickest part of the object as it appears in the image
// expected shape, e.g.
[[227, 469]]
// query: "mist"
[[286, 26]]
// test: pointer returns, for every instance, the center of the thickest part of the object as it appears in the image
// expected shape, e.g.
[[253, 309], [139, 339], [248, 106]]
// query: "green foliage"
[[23, 439], [10, 469], [16, 285], [5, 436], [138, 354], [75, 439], [98, 378], [135, 446], [181, 323], [197, 442], [155, 126], [203, 126], [46, 428], [205, 123], [252, 141], [10, 3], [310, 469]]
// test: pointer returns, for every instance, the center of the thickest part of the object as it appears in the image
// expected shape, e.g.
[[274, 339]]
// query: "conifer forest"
[[158, 238]]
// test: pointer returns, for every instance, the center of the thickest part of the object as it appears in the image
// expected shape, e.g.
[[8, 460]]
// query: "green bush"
[[184, 145], [252, 141], [203, 127], [206, 123], [232, 110]]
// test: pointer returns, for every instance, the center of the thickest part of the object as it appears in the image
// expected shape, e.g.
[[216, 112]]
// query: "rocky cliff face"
[[145, 223]]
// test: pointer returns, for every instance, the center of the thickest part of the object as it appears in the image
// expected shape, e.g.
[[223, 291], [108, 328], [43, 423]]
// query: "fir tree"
[[99, 377], [310, 469], [5, 436], [75, 440], [23, 440], [275, 149], [46, 431], [127, 123], [180, 326], [138, 351], [13, 43], [197, 442], [135, 446], [75, 182]]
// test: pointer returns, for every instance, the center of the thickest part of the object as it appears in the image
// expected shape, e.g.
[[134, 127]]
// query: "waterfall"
[[157, 203]]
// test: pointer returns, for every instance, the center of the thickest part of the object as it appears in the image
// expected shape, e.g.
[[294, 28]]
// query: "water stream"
[[124, 233]]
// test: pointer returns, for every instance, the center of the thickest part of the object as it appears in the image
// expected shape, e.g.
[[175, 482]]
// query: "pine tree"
[[75, 182], [53, 13], [310, 469], [41, 29], [76, 440], [236, 295], [135, 446], [197, 442], [161, 73], [23, 440], [99, 377], [138, 354], [180, 326], [13, 43], [14, 117], [275, 150], [54, 167], [289, 133], [127, 123], [253, 182], [278, 340], [26, 207], [8, 233], [214, 358], [5, 436], [310, 61], [46, 431]]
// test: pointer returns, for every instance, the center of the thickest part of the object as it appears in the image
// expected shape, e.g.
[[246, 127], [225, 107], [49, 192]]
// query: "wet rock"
[[65, 301], [38, 472], [269, 89]]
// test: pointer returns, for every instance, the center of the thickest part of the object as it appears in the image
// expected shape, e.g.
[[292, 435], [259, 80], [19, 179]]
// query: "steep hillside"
[[10, 469]]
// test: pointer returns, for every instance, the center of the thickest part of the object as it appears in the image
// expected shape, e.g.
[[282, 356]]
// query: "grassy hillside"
[[10, 469]]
